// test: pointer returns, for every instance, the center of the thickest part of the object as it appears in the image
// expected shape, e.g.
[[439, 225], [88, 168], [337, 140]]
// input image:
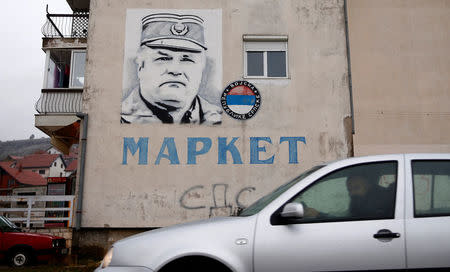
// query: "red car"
[[21, 248]]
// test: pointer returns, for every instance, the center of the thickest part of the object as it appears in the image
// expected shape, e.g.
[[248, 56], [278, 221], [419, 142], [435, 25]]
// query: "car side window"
[[431, 180], [358, 192]]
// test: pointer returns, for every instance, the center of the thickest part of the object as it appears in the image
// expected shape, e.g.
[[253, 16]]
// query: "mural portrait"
[[172, 67]]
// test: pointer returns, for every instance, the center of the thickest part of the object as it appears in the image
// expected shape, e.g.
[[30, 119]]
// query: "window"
[[360, 192], [11, 183], [7, 226], [78, 63], [260, 204], [431, 188], [56, 189], [42, 172], [65, 69], [265, 56]]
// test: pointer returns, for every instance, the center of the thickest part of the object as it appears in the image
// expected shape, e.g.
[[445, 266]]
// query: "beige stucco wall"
[[313, 103], [401, 75]]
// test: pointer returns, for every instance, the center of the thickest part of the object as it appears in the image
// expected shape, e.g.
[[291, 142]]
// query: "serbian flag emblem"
[[241, 100]]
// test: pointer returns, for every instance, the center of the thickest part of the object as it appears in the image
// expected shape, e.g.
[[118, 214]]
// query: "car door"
[[330, 237], [428, 211]]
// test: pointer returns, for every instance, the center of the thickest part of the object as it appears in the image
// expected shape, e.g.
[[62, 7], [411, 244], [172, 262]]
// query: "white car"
[[367, 213]]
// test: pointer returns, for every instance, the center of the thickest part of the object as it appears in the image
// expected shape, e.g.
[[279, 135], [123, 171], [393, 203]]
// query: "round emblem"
[[241, 100], [179, 29]]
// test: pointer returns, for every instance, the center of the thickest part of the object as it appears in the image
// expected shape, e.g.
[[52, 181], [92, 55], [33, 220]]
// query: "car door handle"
[[385, 233]]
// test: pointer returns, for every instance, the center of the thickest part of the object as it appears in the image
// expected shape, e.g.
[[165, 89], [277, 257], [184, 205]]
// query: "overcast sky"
[[22, 64]]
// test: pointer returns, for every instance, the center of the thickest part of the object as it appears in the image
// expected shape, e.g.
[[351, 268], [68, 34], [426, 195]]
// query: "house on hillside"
[[71, 176], [46, 165], [21, 182], [53, 150], [12, 158], [73, 155], [18, 181]]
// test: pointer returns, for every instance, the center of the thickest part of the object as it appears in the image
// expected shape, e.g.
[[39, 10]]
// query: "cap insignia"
[[179, 29]]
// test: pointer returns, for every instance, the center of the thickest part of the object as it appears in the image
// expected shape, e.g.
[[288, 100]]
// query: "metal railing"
[[66, 25], [35, 213], [60, 101]]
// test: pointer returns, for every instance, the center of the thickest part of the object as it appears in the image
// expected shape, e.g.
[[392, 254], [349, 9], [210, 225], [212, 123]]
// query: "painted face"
[[170, 79], [357, 186]]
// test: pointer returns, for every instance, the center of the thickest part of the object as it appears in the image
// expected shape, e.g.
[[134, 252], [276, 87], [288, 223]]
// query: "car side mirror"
[[292, 211]]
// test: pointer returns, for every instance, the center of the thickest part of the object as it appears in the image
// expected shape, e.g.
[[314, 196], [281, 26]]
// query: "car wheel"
[[197, 264], [19, 258]]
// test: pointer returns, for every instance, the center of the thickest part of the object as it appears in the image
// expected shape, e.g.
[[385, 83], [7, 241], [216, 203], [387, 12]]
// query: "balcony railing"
[[60, 101], [66, 25], [34, 212]]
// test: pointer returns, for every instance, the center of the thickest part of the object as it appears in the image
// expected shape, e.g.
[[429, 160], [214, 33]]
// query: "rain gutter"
[[84, 118], [349, 67]]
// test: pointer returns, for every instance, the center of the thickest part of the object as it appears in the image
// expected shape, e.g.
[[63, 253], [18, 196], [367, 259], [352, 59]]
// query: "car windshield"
[[265, 200], [6, 224]]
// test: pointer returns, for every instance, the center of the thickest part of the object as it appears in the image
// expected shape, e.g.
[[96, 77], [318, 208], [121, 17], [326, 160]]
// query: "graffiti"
[[172, 67], [219, 199], [190, 192], [238, 195]]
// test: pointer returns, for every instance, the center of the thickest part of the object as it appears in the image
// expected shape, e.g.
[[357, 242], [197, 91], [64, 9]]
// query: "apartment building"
[[197, 109]]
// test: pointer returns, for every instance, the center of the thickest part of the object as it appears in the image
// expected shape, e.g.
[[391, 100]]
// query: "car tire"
[[197, 264], [20, 258]]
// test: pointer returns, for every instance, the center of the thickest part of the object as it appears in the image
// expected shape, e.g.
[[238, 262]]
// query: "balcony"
[[66, 25], [57, 117], [64, 44], [63, 100]]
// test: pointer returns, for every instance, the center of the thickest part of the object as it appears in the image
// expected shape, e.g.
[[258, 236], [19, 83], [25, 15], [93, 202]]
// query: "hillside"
[[23, 147]]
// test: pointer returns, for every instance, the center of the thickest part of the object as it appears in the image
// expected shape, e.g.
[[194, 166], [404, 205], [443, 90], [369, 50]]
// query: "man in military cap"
[[170, 64]]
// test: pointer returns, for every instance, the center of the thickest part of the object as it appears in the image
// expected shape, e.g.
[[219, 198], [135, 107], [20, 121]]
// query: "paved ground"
[[88, 267]]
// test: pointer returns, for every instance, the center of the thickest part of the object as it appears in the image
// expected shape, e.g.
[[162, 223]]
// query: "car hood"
[[34, 235], [222, 238]]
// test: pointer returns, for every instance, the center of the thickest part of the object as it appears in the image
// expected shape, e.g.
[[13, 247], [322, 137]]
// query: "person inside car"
[[367, 200]]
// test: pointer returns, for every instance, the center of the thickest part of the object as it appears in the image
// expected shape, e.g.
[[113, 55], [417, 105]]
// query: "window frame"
[[424, 215], [264, 44], [275, 218], [47, 68], [71, 79]]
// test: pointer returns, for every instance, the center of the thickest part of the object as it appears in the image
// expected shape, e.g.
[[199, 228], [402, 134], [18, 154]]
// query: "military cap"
[[173, 31]]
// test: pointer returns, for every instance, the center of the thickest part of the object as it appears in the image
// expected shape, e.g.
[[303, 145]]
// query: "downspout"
[[349, 67], [84, 118]]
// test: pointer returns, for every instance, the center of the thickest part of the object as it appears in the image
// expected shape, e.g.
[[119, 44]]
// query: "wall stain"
[[349, 136]]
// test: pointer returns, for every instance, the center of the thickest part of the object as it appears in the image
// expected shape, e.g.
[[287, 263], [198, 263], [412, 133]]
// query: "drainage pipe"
[[84, 119], [349, 67]]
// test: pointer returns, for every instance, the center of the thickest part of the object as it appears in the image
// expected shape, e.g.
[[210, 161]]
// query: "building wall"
[[400, 69], [4, 180], [29, 190], [57, 170], [66, 233], [312, 103], [38, 190], [36, 170]]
